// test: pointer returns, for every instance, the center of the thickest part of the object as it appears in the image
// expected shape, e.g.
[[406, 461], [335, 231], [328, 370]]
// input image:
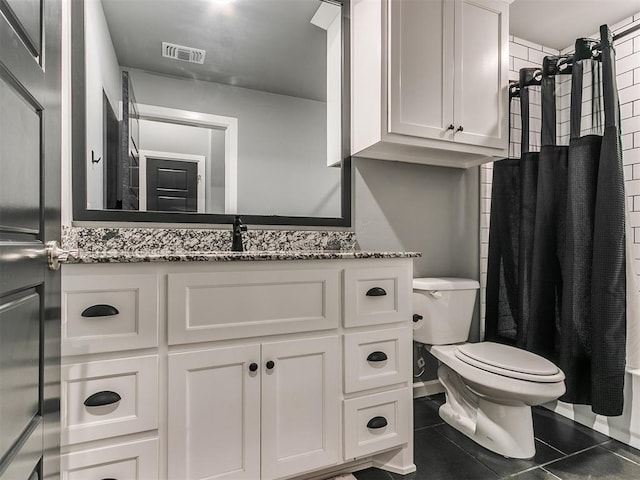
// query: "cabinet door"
[[482, 62], [421, 68], [214, 414], [300, 406]]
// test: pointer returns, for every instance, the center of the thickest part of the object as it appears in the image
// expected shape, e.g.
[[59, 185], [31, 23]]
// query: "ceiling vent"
[[180, 52]]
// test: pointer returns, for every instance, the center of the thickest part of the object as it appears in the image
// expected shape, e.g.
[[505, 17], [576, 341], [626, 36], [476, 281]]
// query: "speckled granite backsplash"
[[199, 240]]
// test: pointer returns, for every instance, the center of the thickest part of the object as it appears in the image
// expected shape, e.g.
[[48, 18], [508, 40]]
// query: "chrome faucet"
[[238, 228]]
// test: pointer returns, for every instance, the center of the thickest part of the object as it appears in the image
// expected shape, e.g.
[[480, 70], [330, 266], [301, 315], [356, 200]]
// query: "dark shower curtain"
[[575, 313], [512, 215]]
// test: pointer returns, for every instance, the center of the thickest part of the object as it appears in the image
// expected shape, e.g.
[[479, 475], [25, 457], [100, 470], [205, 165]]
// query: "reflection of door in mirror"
[[188, 135], [172, 182]]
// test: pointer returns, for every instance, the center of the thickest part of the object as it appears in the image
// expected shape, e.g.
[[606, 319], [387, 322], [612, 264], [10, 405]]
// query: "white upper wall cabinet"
[[429, 80]]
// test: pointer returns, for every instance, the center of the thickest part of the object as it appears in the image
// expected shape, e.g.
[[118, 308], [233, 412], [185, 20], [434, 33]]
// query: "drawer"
[[223, 305], [124, 461], [376, 422], [377, 359], [124, 314], [374, 296], [133, 380]]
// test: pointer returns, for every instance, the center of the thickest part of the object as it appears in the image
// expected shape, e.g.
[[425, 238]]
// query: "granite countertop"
[[135, 245], [224, 256]]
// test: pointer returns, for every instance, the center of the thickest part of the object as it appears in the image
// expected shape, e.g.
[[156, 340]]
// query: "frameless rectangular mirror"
[[193, 111]]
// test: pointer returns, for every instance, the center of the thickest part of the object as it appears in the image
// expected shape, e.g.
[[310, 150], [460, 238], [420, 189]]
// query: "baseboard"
[[388, 467], [430, 387]]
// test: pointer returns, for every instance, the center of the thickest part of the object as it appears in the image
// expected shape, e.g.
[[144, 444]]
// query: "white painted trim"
[[206, 120], [424, 389], [200, 160]]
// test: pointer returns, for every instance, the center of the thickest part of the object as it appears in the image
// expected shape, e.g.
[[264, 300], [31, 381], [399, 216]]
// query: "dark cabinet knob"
[[100, 311], [377, 422], [417, 317], [450, 127], [102, 398], [376, 292], [270, 364], [253, 367], [460, 129], [377, 357]]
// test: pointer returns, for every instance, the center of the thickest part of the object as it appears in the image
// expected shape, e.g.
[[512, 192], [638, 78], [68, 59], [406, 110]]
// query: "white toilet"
[[489, 387]]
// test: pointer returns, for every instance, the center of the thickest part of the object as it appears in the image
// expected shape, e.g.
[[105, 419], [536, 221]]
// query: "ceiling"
[[266, 45], [557, 23], [293, 61]]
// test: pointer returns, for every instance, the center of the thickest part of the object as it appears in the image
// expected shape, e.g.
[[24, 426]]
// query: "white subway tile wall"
[[527, 54]]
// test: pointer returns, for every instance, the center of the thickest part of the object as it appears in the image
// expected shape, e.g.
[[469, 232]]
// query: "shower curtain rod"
[[595, 46], [564, 62], [626, 32]]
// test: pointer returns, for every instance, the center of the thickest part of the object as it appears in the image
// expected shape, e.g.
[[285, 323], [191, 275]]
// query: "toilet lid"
[[509, 361]]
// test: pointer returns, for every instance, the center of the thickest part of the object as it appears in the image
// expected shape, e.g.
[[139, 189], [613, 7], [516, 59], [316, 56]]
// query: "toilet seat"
[[509, 362]]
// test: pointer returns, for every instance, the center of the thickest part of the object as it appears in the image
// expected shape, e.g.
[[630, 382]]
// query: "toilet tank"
[[446, 307]]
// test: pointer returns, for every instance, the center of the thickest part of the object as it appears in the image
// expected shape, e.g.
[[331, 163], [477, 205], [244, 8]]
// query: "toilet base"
[[503, 429]]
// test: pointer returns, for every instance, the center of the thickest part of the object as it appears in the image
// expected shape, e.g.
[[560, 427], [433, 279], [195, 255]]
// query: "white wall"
[[102, 72], [281, 143], [625, 428]]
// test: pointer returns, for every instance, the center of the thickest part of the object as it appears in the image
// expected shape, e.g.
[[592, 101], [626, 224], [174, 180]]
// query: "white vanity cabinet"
[[429, 80], [266, 410], [250, 369]]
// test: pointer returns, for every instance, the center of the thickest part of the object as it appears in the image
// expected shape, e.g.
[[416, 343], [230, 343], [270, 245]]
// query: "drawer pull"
[[100, 311], [376, 292], [253, 367], [377, 357], [102, 398], [270, 364], [377, 422], [417, 317]]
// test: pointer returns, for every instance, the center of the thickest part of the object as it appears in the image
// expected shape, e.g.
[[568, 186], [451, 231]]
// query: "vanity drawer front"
[[377, 359], [376, 422], [107, 313], [124, 393], [224, 305], [130, 461], [375, 296]]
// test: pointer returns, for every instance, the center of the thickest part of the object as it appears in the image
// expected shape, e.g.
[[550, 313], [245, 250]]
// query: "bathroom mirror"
[[194, 111]]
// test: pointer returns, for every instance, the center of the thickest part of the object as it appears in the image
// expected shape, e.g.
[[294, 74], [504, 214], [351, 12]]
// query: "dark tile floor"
[[565, 450]]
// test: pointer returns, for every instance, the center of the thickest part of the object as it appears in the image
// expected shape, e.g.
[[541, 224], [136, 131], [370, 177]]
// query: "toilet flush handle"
[[435, 293]]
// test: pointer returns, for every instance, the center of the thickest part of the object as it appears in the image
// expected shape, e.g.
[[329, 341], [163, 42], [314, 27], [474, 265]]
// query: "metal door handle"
[[55, 254]]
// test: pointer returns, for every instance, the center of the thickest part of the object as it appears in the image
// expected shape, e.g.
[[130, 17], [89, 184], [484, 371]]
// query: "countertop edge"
[[153, 257]]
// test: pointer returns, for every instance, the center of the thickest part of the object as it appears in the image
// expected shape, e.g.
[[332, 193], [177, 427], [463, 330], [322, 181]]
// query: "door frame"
[[205, 120], [200, 160]]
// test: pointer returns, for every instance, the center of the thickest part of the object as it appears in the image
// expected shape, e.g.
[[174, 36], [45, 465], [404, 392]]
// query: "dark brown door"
[[29, 216], [172, 185]]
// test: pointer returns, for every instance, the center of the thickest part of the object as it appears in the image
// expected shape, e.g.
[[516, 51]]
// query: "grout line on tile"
[[550, 446], [570, 455], [511, 475], [552, 474], [622, 456], [428, 426]]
